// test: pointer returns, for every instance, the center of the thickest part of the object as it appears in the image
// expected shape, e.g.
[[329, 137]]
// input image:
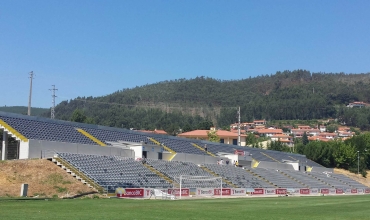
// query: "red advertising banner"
[[339, 191], [258, 192], [281, 191], [304, 191], [324, 191], [354, 191], [367, 190], [225, 192], [129, 193], [176, 192], [239, 152]]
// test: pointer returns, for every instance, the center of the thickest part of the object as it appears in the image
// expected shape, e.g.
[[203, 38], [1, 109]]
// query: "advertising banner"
[[270, 191], [304, 191], [176, 192], [324, 191], [339, 191], [348, 191], [354, 191], [314, 191], [205, 191], [360, 191], [293, 191], [281, 191], [367, 190], [225, 192], [258, 191], [332, 191], [129, 193], [238, 192]]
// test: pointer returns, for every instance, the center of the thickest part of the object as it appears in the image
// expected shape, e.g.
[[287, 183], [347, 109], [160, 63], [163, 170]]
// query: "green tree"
[[78, 116], [344, 155], [304, 138], [213, 137]]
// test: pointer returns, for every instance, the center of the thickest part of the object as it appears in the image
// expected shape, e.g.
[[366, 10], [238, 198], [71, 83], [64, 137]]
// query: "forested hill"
[[169, 105]]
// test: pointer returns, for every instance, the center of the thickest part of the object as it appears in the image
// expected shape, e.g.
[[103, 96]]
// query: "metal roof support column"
[[5, 145]]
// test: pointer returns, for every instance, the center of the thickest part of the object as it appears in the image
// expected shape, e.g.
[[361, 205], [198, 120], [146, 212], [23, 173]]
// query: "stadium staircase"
[[78, 174], [266, 155], [158, 173], [260, 177], [88, 135], [296, 180], [14, 133], [255, 163], [202, 149], [173, 153], [216, 175]]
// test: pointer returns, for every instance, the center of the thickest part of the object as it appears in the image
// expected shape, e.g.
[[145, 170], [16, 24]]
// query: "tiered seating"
[[180, 145], [174, 169], [350, 182], [308, 180], [238, 176], [112, 171], [333, 180], [277, 178], [112, 135], [46, 130]]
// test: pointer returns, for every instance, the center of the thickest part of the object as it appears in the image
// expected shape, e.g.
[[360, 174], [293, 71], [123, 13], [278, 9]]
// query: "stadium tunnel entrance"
[[9, 146]]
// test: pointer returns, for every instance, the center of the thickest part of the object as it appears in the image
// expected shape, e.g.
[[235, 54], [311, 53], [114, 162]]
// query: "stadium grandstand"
[[108, 158]]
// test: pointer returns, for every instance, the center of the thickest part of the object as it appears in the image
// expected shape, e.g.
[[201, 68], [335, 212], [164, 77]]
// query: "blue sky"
[[94, 47]]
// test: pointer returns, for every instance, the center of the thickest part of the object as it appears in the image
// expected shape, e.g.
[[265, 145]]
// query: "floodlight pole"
[[30, 95], [52, 116], [239, 144], [358, 162]]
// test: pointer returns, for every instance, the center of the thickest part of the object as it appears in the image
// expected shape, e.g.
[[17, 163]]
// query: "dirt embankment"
[[44, 179], [357, 177]]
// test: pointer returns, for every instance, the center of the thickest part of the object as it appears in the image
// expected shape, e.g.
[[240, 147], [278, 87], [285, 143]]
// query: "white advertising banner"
[[205, 191], [238, 192], [270, 191]]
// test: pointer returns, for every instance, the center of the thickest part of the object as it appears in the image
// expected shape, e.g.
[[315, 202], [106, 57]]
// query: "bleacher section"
[[238, 176], [174, 169], [277, 178], [112, 172]]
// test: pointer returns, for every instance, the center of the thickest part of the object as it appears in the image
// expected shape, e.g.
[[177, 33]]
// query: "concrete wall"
[[197, 159], [39, 149], [273, 165], [23, 149]]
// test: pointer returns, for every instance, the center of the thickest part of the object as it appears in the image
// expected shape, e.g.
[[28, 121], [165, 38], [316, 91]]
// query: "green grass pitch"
[[321, 208]]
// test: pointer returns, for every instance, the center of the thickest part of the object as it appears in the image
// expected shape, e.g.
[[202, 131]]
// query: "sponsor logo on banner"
[[314, 191], [324, 191], [238, 192], [339, 191], [225, 192], [348, 191], [360, 191], [121, 192], [239, 152], [367, 190], [270, 191], [304, 191], [205, 191], [293, 191], [258, 192], [354, 191], [176, 192], [281, 191], [332, 191]]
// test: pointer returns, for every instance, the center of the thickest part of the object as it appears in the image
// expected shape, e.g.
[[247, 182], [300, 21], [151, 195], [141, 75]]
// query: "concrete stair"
[[216, 175]]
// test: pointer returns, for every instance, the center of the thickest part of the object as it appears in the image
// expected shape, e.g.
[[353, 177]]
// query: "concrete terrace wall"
[[273, 165], [41, 149], [197, 159], [322, 169]]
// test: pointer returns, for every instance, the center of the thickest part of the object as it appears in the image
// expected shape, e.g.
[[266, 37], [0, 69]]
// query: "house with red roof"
[[226, 137]]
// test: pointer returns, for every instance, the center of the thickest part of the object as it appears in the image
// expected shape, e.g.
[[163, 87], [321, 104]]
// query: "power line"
[[30, 95], [53, 102]]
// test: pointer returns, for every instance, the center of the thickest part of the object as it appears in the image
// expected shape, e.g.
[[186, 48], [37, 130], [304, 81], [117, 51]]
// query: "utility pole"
[[53, 102], [239, 144], [30, 97]]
